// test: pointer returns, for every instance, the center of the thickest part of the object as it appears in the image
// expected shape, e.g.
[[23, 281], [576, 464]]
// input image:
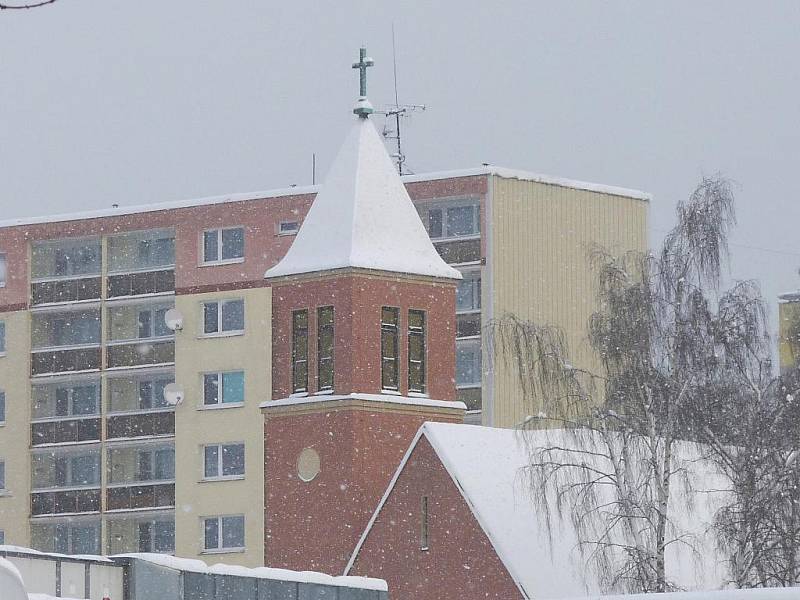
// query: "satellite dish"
[[173, 394], [174, 319]]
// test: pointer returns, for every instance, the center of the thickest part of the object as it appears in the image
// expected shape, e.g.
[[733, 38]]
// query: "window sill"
[[224, 551], [327, 392], [223, 478], [3, 354], [6, 494], [221, 406], [391, 392], [220, 263], [221, 334], [418, 395]]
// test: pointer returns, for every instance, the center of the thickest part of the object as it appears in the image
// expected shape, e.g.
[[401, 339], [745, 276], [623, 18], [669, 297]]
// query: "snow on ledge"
[[198, 566], [34, 553], [782, 593], [48, 597], [385, 398]]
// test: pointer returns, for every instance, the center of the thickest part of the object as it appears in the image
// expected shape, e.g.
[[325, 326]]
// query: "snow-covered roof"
[[789, 296], [21, 550], [486, 464], [507, 173], [363, 218], [313, 189], [198, 566], [384, 398]]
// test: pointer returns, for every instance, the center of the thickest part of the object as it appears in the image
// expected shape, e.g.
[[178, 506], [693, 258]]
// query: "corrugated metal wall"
[[540, 241]]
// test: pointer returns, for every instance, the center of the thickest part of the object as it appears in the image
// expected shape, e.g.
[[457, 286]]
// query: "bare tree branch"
[[4, 6]]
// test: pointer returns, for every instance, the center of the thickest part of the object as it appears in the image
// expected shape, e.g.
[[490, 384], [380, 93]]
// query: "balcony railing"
[[65, 501], [65, 290], [139, 353], [143, 495], [140, 284], [142, 424], [80, 429], [459, 251], [47, 362]]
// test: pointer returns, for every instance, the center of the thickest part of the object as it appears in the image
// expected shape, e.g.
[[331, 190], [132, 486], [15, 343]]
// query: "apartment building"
[[94, 459], [789, 330]]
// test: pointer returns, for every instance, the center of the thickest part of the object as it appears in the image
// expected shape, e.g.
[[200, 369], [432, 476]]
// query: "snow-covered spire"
[[363, 218]]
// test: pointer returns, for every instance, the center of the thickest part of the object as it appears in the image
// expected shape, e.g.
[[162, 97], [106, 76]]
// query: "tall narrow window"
[[390, 318], [416, 351], [3, 270], [299, 351], [423, 529], [325, 342]]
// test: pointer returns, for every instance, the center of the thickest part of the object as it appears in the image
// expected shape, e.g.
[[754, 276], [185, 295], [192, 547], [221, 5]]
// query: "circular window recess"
[[308, 464]]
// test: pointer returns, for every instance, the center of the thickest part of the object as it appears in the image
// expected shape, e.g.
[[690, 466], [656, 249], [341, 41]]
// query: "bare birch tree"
[[614, 476]]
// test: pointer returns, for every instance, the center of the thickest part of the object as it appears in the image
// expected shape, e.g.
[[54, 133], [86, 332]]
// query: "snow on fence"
[[784, 593], [162, 577]]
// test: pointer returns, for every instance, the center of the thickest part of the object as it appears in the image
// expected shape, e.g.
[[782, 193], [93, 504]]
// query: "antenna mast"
[[397, 111]]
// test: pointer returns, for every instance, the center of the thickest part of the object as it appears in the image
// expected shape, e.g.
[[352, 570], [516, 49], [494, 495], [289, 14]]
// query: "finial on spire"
[[363, 108]]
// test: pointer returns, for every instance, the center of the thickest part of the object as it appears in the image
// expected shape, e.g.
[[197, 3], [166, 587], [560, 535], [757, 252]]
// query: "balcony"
[[64, 341], [141, 263], [66, 411], [459, 251]]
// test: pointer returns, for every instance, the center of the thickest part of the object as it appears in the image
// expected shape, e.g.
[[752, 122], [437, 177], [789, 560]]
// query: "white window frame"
[[467, 274], [220, 549], [220, 332], [219, 476], [71, 384], [3, 269], [470, 341], [444, 205], [219, 260], [220, 390]]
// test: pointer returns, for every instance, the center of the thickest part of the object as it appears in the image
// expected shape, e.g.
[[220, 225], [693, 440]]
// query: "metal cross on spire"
[[363, 107]]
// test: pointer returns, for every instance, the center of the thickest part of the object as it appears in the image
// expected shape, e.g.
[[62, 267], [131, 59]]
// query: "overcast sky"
[[131, 102]]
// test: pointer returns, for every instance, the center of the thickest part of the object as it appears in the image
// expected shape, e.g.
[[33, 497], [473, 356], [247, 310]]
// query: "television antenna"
[[394, 113]]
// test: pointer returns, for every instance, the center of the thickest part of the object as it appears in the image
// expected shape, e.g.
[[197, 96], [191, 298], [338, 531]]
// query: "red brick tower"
[[363, 353]]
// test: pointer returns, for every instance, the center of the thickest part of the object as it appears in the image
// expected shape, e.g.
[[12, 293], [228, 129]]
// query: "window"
[[223, 461], [468, 363], [223, 245], [231, 390], [423, 533], [141, 251], [69, 399], [2, 406], [156, 536], [223, 316], [2, 475], [3, 270], [156, 465], [78, 536], [390, 318], [299, 351], [57, 469], [223, 533], [2, 338], [468, 293], [459, 220], [288, 227], [2, 537], [325, 342], [72, 328], [65, 258], [151, 393], [416, 351], [151, 323]]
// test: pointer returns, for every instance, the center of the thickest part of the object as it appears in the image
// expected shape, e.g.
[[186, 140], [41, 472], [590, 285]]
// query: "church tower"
[[363, 353]]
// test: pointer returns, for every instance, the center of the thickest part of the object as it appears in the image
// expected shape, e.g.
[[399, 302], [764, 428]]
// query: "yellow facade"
[[197, 425], [788, 326], [538, 242], [15, 431]]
